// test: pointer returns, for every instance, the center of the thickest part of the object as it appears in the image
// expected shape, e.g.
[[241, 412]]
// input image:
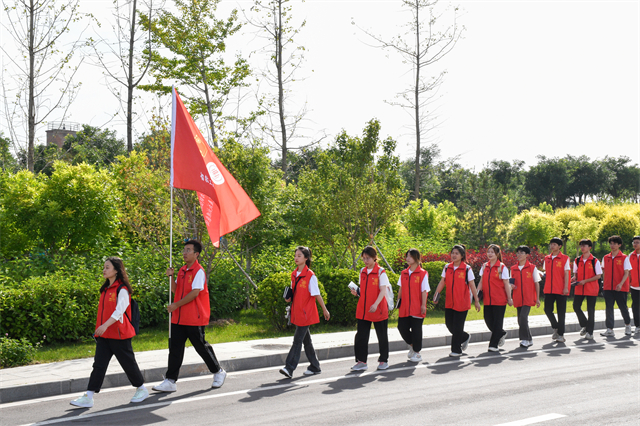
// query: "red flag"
[[225, 205]]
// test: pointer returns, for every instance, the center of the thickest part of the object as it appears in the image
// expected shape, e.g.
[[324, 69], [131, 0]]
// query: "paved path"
[[42, 380]]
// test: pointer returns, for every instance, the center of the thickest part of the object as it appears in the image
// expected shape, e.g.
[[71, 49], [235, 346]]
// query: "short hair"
[[615, 239], [371, 252], [637, 237], [415, 254], [197, 245], [460, 248], [306, 252], [556, 240], [524, 249], [496, 249], [585, 242]]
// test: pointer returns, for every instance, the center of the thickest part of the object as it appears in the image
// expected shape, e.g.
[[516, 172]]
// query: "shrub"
[[227, 291], [14, 352], [342, 304], [270, 299], [435, 274]]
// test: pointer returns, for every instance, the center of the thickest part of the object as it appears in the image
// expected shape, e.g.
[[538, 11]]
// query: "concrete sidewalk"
[[37, 381]]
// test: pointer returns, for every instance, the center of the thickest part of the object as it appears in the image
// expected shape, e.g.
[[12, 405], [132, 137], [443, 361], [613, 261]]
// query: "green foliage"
[[228, 289], [19, 205], [94, 146], [341, 304], [14, 352], [435, 271], [8, 163], [619, 223], [427, 221], [533, 228]]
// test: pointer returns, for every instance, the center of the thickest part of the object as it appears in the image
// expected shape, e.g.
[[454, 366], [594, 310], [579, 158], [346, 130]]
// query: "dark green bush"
[[435, 274], [270, 299], [14, 352], [228, 289]]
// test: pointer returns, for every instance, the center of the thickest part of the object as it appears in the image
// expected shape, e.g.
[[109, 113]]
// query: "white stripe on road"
[[533, 420]]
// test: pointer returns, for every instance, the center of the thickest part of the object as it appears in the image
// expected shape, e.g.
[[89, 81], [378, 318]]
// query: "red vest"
[[197, 311], [586, 271], [303, 310], [554, 280], [634, 274], [108, 301], [411, 293], [457, 297], [493, 292], [525, 291], [369, 291], [614, 271]]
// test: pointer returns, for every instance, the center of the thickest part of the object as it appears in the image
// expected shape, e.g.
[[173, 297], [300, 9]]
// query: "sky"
[[528, 78]]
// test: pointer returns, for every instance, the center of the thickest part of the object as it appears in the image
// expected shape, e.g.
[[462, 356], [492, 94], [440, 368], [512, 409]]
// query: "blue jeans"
[[302, 337]]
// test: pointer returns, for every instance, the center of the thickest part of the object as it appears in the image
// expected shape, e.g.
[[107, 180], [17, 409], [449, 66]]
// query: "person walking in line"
[[556, 287], [526, 293], [616, 271], [190, 313], [113, 334], [372, 308], [586, 273], [634, 282], [496, 294], [458, 279], [306, 292], [412, 294]]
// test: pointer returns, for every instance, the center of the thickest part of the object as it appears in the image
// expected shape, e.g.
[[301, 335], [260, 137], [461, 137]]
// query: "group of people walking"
[[500, 286]]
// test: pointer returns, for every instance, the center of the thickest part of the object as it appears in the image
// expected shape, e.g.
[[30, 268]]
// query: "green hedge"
[[342, 304], [271, 302], [435, 274]]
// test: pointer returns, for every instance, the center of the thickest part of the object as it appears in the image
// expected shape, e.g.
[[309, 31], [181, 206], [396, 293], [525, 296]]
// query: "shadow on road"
[[392, 374], [489, 358], [588, 346], [279, 387], [445, 365], [556, 349], [350, 381], [521, 354]]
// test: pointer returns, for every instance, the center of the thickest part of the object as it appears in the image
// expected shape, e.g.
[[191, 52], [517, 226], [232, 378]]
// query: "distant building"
[[57, 131]]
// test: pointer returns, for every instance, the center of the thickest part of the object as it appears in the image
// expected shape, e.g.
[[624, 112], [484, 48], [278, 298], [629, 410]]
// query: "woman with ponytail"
[[113, 334], [304, 313], [412, 294]]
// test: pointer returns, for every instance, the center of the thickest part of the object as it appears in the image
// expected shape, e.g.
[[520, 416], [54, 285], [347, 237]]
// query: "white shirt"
[[384, 280], [425, 281], [314, 289], [627, 263], [536, 273], [198, 281], [121, 305], [471, 275], [567, 267], [598, 268], [505, 272]]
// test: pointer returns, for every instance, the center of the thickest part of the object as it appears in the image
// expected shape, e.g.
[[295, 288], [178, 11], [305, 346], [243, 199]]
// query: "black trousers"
[[620, 298], [454, 321], [410, 329], [105, 349], [635, 306], [591, 310], [361, 343], [561, 305], [494, 319], [300, 338], [524, 333], [195, 334]]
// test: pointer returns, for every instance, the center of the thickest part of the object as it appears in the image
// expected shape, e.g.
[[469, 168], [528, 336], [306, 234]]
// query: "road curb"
[[60, 387]]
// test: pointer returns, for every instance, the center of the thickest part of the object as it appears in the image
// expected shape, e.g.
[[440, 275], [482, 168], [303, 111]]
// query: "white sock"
[[90, 394], [142, 387], [172, 381]]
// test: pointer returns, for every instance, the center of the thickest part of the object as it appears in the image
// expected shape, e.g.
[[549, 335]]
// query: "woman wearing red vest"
[[113, 334], [496, 293], [616, 269], [190, 313], [556, 287], [586, 273], [458, 278], [372, 308], [526, 292], [304, 313], [634, 282], [414, 288]]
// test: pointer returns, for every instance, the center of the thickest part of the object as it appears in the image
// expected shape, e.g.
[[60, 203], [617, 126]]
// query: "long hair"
[[121, 274], [460, 248], [496, 249], [306, 252]]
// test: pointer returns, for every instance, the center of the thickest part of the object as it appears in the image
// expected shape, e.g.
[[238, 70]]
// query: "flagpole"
[[170, 257]]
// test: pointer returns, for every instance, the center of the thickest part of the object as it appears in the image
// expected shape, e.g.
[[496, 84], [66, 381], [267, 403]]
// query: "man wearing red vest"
[[587, 272], [526, 292], [616, 269], [634, 285], [556, 287], [189, 315]]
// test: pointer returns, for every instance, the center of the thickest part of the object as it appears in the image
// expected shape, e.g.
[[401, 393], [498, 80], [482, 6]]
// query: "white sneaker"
[[383, 366], [165, 386], [608, 333], [465, 344], [524, 343], [560, 339], [285, 372], [218, 379], [416, 357], [492, 349], [502, 340], [529, 343], [85, 401], [583, 331], [455, 355], [627, 330], [411, 352], [637, 330], [311, 372], [589, 336], [555, 334], [359, 366], [140, 395]]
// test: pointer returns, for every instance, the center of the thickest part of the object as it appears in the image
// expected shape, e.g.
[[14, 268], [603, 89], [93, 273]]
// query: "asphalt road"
[[575, 383]]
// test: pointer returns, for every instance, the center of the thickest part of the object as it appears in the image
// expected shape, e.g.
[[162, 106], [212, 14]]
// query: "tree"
[[8, 162], [285, 58], [586, 178], [549, 181], [196, 41], [429, 184], [41, 66], [533, 228], [94, 146], [124, 51], [422, 46], [625, 178]]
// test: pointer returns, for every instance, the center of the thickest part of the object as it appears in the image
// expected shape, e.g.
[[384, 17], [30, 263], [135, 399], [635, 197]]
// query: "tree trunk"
[[130, 81], [283, 129], [209, 111], [416, 189], [31, 131]]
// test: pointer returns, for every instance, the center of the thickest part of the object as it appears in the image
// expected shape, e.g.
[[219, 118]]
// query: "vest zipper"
[[522, 287], [409, 295], [181, 296], [366, 284], [489, 283]]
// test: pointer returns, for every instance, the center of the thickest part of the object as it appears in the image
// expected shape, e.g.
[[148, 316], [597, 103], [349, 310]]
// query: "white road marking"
[[533, 420]]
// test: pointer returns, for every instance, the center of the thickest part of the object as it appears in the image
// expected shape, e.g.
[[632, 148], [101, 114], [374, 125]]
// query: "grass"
[[247, 325]]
